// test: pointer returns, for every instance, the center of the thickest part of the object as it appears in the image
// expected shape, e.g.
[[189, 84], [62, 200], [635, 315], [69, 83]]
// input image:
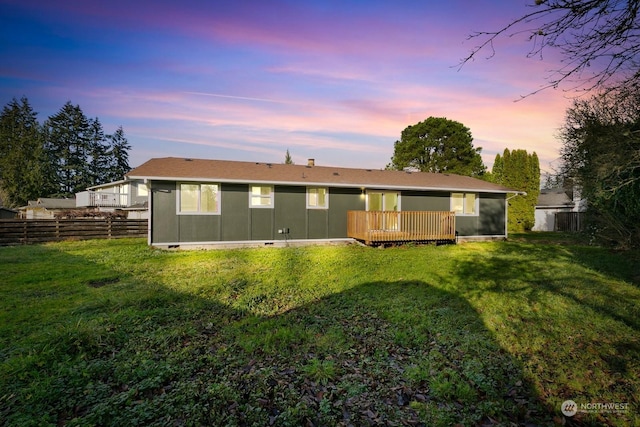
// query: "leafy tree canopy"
[[438, 145], [601, 153]]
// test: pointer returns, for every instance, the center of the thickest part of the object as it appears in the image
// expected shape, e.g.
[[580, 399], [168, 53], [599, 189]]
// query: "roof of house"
[[108, 184], [553, 198], [177, 169], [52, 203]]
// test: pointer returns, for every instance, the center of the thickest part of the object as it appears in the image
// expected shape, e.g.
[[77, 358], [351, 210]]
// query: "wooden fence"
[[24, 231], [569, 221], [375, 227]]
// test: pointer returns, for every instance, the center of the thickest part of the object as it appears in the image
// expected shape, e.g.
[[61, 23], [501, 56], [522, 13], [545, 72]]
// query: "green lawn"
[[116, 333]]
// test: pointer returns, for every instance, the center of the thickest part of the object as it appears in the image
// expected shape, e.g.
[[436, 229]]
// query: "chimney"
[[311, 162]]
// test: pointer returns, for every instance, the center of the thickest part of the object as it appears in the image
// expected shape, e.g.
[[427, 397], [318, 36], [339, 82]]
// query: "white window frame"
[[142, 189], [179, 211], [476, 205], [253, 197], [317, 206]]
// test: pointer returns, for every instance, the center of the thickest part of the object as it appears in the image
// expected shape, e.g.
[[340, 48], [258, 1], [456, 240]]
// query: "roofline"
[[109, 184], [326, 184]]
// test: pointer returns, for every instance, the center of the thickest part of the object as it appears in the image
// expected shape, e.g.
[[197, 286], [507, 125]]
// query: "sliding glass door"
[[378, 201]]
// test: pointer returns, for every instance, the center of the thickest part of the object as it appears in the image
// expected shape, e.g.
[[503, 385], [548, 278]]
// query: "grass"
[[117, 333]]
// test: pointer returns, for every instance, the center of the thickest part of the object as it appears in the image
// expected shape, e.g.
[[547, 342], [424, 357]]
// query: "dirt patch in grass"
[[98, 283]]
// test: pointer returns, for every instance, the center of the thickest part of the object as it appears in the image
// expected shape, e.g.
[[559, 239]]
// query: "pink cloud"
[[347, 81], [250, 122]]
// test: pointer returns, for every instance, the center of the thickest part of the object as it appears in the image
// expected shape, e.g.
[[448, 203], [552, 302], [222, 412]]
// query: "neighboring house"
[[554, 201], [206, 202], [127, 195], [46, 208], [6, 213]]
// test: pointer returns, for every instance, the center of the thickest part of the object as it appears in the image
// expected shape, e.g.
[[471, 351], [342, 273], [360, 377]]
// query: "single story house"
[[552, 202], [208, 202], [46, 208]]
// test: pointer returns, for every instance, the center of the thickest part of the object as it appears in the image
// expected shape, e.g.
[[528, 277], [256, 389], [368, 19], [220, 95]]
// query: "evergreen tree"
[[68, 136], [519, 170], [24, 174], [64, 156], [438, 145], [287, 158], [118, 155], [99, 162], [497, 172]]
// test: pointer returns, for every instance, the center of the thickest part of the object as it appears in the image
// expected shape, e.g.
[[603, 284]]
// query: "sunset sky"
[[337, 81]]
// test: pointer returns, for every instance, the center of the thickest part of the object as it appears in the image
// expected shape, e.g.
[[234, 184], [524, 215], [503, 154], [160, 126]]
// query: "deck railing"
[[102, 199], [373, 227]]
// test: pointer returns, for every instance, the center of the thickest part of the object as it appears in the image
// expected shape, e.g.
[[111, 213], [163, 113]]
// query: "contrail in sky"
[[244, 98]]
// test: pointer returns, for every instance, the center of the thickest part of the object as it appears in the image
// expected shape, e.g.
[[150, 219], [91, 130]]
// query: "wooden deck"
[[381, 227]]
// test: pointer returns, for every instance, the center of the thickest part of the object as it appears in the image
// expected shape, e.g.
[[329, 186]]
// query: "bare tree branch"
[[599, 41]]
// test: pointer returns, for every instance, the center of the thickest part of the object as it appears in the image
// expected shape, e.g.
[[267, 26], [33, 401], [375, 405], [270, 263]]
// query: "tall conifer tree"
[[519, 170], [24, 172], [68, 140], [64, 156], [118, 156], [98, 156]]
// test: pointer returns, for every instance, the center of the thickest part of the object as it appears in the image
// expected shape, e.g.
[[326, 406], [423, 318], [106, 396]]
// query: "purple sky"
[[337, 81]]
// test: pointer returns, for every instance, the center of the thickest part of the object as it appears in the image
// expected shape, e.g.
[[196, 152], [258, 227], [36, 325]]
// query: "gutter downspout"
[[506, 211], [149, 209]]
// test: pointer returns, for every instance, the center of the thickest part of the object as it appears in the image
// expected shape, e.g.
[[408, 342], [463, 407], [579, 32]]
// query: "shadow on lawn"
[[596, 288], [136, 352], [570, 303], [619, 264]]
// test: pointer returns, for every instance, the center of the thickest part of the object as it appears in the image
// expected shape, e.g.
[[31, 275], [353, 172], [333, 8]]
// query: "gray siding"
[[492, 215], [425, 201], [164, 221], [261, 223], [489, 222], [290, 206], [318, 223], [238, 222], [467, 225], [342, 200], [235, 219], [203, 228]]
